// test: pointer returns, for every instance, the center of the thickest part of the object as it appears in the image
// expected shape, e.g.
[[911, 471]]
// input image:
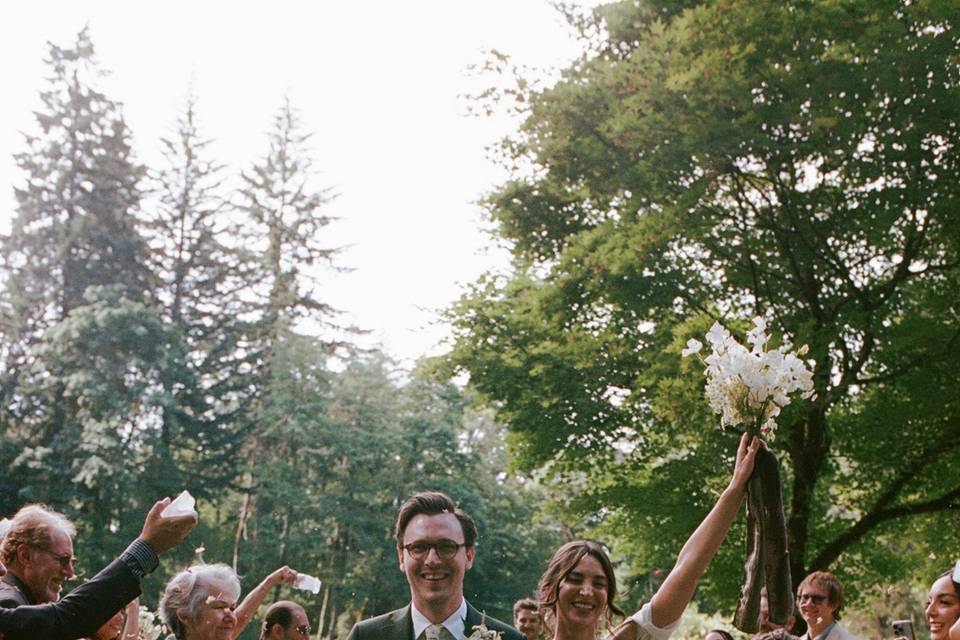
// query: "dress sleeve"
[[649, 631]]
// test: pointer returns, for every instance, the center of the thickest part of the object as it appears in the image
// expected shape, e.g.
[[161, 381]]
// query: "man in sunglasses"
[[285, 620], [38, 553], [820, 601], [85, 609], [435, 548]]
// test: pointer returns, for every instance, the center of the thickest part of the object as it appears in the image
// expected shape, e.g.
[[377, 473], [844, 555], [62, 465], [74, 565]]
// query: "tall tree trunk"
[[323, 612]]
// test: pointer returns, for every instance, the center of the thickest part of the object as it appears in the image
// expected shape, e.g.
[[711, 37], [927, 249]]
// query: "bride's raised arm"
[[673, 596]]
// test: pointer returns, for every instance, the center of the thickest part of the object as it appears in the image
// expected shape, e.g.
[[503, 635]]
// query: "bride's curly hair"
[[560, 566]]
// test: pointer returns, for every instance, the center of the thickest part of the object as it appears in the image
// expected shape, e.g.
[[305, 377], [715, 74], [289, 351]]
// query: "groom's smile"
[[433, 557]]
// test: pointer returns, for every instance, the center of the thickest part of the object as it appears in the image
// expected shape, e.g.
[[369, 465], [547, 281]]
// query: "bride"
[[578, 589]]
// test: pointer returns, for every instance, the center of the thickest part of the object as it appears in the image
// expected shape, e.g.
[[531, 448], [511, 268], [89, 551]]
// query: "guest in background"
[[285, 620], [200, 602], [124, 625], [770, 630], [943, 606], [527, 618], [86, 608], [38, 554], [820, 600]]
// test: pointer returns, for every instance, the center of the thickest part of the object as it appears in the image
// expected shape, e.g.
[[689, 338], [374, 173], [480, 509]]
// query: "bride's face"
[[582, 596]]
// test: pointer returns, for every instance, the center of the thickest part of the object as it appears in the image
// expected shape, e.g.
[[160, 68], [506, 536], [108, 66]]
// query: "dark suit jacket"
[[398, 625], [79, 613], [13, 593]]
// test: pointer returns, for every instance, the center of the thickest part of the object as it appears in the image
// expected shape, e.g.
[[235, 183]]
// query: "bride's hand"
[[746, 454]]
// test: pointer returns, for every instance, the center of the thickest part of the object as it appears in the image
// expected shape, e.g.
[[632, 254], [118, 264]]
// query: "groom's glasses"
[[446, 549]]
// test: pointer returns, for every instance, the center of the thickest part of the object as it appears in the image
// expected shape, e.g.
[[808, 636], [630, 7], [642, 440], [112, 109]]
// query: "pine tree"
[[81, 338], [280, 234], [283, 224], [199, 289]]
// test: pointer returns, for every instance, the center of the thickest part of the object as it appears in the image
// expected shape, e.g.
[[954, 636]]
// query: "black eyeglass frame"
[[450, 549]]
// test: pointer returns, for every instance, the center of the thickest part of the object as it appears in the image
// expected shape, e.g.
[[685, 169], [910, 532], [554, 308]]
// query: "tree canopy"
[[722, 160]]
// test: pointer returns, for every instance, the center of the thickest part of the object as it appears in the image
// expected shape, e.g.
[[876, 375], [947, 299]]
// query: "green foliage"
[[148, 346], [719, 160]]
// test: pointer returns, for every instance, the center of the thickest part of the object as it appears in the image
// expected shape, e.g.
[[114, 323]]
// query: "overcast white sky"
[[377, 82]]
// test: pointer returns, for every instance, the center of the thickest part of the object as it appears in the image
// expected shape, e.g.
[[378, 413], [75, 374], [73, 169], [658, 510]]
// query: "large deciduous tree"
[[715, 161]]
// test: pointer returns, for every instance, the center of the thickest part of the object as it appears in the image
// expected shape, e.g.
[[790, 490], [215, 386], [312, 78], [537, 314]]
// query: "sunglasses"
[[815, 598], [65, 560]]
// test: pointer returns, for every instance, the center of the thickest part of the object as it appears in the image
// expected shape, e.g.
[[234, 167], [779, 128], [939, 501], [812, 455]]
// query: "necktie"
[[437, 632]]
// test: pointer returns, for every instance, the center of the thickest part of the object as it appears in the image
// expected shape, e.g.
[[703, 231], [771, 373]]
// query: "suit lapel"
[[402, 624], [473, 619]]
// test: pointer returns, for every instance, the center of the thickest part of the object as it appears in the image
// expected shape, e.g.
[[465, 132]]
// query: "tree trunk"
[[323, 612]]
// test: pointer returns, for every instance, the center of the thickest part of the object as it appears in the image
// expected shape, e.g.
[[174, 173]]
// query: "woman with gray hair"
[[200, 602]]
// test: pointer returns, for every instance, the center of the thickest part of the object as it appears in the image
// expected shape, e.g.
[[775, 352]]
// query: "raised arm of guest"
[[85, 609], [248, 608]]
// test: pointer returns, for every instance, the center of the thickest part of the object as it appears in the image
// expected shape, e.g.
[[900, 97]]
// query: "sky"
[[380, 84]]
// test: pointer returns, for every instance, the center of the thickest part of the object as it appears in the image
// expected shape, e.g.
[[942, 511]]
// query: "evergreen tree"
[[74, 252], [199, 291]]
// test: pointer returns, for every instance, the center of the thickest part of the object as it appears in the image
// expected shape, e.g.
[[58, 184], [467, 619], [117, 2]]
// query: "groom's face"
[[436, 584]]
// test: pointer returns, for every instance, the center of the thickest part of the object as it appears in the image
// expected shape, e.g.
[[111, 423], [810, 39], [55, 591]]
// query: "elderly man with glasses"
[[38, 553], [86, 608]]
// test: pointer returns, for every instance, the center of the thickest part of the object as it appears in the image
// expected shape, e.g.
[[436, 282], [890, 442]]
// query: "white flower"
[[693, 346], [717, 334], [481, 632]]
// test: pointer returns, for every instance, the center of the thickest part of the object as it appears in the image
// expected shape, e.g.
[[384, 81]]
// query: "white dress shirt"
[[455, 624]]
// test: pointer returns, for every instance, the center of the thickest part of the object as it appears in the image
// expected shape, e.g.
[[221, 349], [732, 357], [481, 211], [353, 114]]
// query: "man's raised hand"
[[165, 533]]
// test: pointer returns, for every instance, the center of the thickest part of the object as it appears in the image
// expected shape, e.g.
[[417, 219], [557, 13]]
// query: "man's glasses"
[[446, 549], [66, 560], [815, 598]]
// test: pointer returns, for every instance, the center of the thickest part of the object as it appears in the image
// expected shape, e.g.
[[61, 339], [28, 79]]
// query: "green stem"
[[754, 429]]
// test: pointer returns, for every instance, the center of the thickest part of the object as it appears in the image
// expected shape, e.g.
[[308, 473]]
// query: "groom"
[[435, 546]]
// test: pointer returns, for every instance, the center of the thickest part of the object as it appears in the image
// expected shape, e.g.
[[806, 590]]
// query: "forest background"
[[700, 161]]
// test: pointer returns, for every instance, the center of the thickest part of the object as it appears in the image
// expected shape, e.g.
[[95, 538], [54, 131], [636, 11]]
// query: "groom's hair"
[[432, 503]]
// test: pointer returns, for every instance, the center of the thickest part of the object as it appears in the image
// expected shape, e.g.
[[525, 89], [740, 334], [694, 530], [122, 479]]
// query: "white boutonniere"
[[480, 632]]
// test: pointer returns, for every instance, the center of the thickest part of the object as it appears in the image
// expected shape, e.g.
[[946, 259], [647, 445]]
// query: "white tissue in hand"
[[183, 505], [307, 583]]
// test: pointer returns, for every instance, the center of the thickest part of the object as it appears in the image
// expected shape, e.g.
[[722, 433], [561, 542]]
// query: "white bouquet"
[[751, 386], [151, 628]]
